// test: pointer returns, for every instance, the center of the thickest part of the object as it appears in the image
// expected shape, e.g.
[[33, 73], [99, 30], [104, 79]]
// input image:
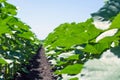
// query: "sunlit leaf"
[[5, 61], [116, 21], [71, 69], [4, 29], [74, 79]]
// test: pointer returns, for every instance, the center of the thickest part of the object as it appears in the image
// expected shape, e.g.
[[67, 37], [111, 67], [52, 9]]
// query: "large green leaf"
[[97, 48], [71, 69], [116, 22], [68, 35]]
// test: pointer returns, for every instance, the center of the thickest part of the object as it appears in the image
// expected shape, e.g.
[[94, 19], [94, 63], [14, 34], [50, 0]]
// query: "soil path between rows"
[[39, 68]]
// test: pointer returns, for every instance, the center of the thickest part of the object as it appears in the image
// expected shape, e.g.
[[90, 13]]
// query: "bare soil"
[[38, 68]]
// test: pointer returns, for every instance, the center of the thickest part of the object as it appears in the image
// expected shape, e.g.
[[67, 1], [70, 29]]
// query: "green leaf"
[[4, 29], [26, 35], [12, 20], [74, 57], [61, 63], [71, 69], [5, 61], [116, 22], [2, 1], [90, 48], [68, 35], [96, 48], [74, 78], [22, 25], [9, 8]]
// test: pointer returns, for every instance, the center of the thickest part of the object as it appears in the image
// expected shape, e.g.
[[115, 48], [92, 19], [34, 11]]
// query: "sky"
[[43, 16]]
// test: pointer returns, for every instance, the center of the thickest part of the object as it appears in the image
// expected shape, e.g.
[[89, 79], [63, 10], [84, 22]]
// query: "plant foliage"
[[17, 42], [84, 40]]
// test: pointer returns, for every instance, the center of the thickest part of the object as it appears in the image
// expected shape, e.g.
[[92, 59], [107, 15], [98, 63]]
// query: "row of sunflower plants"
[[17, 42], [69, 46]]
